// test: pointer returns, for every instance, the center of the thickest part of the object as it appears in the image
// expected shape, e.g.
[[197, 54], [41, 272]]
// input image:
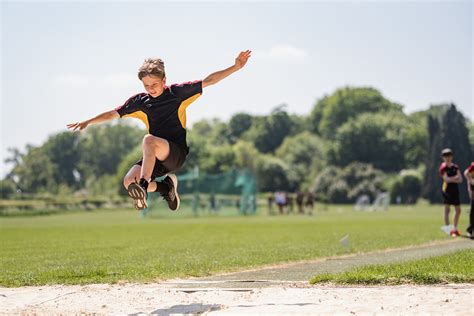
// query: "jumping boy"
[[163, 110], [469, 174], [451, 176]]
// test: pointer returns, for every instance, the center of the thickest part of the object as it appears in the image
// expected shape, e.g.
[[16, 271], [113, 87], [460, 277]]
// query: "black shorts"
[[173, 162], [451, 198]]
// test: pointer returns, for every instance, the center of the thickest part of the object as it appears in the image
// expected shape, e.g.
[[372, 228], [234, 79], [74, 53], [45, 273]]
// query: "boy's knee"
[[149, 140]]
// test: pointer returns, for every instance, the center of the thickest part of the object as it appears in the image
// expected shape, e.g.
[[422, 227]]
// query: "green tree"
[[220, 159], [344, 185], [198, 151], [220, 134], [272, 174], [302, 153], [202, 128], [124, 166], [238, 125], [415, 139], [344, 104], [7, 188], [298, 124], [268, 132], [329, 187], [371, 138], [36, 172], [407, 186], [246, 155], [63, 151], [363, 179], [214, 131], [104, 146]]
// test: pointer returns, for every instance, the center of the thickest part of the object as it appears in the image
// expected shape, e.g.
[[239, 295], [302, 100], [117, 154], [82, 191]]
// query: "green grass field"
[[457, 267], [109, 246]]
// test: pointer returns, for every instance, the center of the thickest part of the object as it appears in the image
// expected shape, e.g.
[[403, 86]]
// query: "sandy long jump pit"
[[280, 289], [181, 297]]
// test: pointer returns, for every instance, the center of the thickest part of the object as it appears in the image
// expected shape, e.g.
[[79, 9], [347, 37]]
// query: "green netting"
[[234, 182]]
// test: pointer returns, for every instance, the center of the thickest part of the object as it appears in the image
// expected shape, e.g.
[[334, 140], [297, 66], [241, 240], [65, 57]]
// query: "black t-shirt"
[[165, 115], [450, 171]]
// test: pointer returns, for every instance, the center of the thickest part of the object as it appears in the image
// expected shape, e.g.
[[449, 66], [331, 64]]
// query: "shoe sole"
[[137, 194], [175, 184]]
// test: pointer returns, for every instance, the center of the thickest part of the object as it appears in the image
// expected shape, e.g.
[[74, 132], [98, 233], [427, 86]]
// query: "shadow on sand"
[[196, 308]]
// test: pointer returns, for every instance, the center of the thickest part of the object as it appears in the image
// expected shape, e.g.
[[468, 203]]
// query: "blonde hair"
[[152, 66]]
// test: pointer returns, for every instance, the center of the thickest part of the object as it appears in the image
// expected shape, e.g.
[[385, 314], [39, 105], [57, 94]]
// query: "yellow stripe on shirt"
[[141, 116], [183, 106]]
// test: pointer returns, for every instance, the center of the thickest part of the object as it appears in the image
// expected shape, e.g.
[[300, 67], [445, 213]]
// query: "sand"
[[287, 298]]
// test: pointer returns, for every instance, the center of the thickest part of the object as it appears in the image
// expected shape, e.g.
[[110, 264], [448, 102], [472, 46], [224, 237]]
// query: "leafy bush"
[[407, 187], [7, 189], [336, 185]]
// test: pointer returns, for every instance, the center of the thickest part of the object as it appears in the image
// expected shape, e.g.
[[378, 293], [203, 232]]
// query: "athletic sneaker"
[[172, 196], [447, 229], [470, 234], [455, 233], [138, 194]]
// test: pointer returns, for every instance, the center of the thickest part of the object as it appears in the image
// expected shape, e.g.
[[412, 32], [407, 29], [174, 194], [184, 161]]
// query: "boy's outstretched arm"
[[217, 76], [103, 117]]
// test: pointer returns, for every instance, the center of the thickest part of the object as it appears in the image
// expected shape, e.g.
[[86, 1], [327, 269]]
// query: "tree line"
[[353, 142]]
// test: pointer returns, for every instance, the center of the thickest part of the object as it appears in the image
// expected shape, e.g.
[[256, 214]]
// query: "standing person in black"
[[300, 201], [451, 176], [290, 201], [163, 111], [270, 200], [469, 174]]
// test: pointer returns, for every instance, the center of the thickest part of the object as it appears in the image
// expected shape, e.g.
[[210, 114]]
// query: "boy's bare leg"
[[153, 148], [133, 176], [457, 214], [446, 214]]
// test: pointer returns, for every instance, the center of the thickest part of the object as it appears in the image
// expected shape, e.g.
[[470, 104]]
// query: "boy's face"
[[448, 158], [154, 85]]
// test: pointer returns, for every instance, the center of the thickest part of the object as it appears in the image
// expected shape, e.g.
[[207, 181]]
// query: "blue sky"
[[65, 62]]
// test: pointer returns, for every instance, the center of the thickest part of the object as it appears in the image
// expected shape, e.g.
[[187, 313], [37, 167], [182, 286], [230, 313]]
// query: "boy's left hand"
[[242, 59]]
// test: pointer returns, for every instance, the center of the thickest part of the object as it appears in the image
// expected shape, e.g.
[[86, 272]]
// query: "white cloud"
[[283, 53]]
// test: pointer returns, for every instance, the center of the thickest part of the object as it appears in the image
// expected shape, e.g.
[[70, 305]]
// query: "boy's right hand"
[[78, 126], [241, 60]]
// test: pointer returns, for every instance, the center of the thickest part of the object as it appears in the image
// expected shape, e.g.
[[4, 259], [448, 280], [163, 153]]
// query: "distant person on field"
[[290, 201], [300, 202], [212, 203], [280, 201], [162, 109], [451, 176], [469, 174], [270, 200]]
